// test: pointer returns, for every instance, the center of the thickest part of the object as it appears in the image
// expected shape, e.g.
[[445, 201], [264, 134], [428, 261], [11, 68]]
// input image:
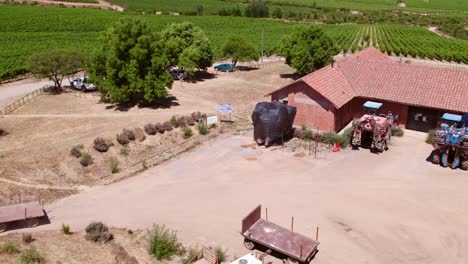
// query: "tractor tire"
[[436, 158], [464, 165], [3, 227], [250, 245]]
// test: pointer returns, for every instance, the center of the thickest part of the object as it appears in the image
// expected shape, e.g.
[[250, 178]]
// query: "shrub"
[[160, 128], [181, 122], [348, 134], [114, 165], [27, 238], [2, 132], [191, 255], [333, 138], [150, 129], [221, 254], [163, 243], [124, 151], [397, 132], [190, 121], [202, 129], [174, 122], [65, 229], [130, 232], [122, 139], [187, 132], [121, 256], [100, 145], [139, 134], [196, 116], [75, 152], [129, 133], [86, 160], [430, 137], [31, 255], [97, 231], [9, 247], [167, 126]]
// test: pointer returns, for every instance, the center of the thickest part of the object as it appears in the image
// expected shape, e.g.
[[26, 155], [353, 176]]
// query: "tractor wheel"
[[436, 158], [3, 227], [249, 244], [33, 222], [464, 164]]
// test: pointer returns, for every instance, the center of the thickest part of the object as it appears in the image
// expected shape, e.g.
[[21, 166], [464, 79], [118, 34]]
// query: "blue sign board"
[[225, 108]]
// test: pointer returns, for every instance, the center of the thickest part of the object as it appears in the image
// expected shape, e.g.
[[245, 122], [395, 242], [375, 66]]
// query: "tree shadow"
[[200, 76], [246, 68], [168, 102]]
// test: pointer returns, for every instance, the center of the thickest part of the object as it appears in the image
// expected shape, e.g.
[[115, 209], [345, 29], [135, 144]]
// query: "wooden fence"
[[24, 100]]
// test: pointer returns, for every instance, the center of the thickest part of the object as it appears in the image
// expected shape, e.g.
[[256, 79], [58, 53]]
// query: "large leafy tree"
[[307, 49], [238, 48], [186, 46], [55, 64], [130, 65]]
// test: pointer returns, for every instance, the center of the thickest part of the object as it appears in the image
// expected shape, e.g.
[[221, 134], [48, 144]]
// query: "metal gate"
[[422, 119]]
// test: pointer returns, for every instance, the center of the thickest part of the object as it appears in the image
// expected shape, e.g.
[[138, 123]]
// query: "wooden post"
[[266, 213], [292, 223], [301, 250], [25, 215], [316, 234]]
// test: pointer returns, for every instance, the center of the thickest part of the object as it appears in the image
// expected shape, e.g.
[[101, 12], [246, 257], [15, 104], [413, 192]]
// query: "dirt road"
[[10, 91], [390, 208]]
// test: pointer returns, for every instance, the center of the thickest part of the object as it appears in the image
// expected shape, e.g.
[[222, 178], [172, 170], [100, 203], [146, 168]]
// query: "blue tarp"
[[373, 105], [452, 117]]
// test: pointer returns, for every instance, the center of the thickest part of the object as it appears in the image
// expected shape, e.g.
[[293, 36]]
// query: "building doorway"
[[421, 119]]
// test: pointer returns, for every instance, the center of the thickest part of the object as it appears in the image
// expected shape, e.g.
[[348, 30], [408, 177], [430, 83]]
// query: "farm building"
[[329, 98]]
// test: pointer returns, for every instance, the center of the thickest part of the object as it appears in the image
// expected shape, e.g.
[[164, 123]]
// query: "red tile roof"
[[371, 74]]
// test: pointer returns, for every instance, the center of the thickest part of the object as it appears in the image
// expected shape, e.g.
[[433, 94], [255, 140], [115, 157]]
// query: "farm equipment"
[[371, 130], [451, 142], [258, 232], [272, 121], [31, 213]]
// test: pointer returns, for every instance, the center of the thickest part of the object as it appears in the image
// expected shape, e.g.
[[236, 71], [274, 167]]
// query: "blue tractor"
[[451, 142]]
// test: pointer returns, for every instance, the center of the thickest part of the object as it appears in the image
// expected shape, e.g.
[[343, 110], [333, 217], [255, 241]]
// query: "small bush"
[[130, 232], [174, 122], [167, 126], [139, 134], [129, 133], [221, 254], [430, 137], [121, 256], [100, 145], [2, 132], [27, 238], [191, 255], [150, 129], [65, 229], [122, 139], [86, 159], [213, 126], [202, 129], [397, 132], [160, 128], [124, 151], [333, 138], [75, 152], [30, 256], [97, 231], [9, 247], [181, 122], [190, 121], [114, 165], [163, 244], [187, 132]]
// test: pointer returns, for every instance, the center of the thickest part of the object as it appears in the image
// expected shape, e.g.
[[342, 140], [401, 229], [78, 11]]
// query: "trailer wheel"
[[436, 158], [33, 222], [3, 227], [249, 244], [464, 165]]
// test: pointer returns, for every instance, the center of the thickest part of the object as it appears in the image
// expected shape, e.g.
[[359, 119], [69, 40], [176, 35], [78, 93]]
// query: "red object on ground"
[[336, 148]]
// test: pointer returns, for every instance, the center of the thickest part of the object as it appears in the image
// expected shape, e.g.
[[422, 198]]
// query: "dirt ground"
[[394, 207], [41, 133]]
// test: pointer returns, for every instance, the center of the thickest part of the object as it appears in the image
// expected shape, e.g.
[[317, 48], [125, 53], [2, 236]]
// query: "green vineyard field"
[[25, 30]]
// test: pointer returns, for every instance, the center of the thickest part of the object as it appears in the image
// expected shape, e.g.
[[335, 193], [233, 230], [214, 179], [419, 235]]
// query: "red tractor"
[[372, 131]]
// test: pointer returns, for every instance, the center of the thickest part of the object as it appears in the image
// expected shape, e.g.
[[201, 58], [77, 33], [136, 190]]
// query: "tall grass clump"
[[163, 244]]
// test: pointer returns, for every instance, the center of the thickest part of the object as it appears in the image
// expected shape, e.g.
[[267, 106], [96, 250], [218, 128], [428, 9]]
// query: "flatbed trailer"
[[31, 213], [258, 231]]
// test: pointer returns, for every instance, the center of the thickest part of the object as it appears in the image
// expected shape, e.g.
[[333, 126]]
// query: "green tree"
[[186, 46], [55, 64], [257, 9], [130, 64], [238, 48], [307, 49], [277, 13]]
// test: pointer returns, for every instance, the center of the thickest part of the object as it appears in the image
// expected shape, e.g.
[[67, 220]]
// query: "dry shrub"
[[122, 139], [150, 129], [100, 145], [30, 256], [86, 160], [174, 122], [97, 231], [168, 126], [2, 132], [129, 133], [122, 256], [196, 115], [181, 122], [160, 128], [75, 152], [27, 238], [190, 121], [139, 134]]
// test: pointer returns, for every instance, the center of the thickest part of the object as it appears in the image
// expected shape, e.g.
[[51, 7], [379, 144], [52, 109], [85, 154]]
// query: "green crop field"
[[25, 30]]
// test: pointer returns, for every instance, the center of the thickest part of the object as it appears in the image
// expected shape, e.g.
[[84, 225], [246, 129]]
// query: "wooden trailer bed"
[[20, 212]]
